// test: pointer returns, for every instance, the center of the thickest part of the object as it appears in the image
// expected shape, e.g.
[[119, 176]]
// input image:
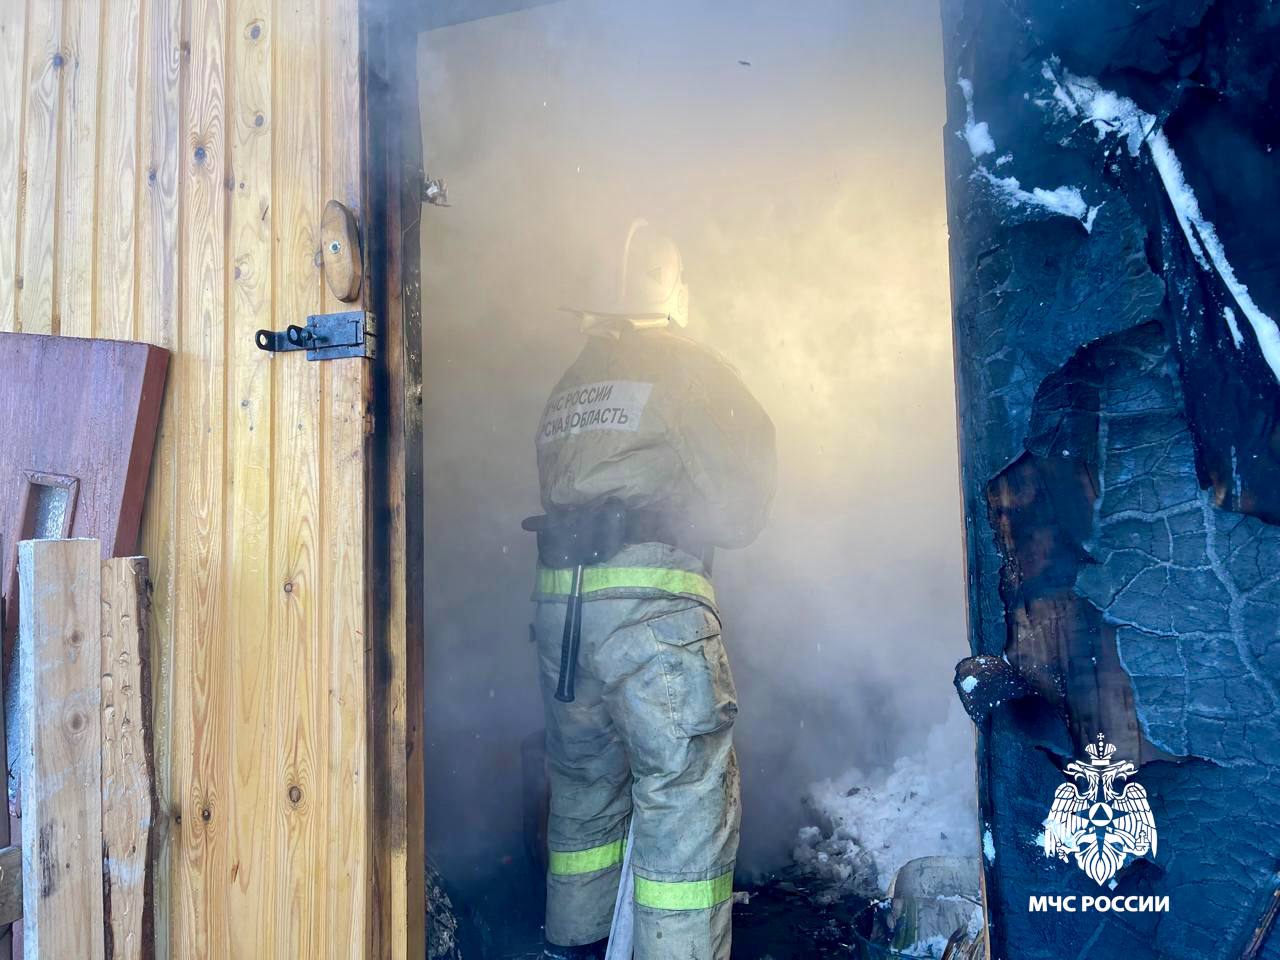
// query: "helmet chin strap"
[[641, 323]]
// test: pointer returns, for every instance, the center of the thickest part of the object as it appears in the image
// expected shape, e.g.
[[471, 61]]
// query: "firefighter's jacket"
[[660, 422]]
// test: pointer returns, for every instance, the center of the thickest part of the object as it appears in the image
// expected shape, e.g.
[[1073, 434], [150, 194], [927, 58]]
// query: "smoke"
[[797, 162]]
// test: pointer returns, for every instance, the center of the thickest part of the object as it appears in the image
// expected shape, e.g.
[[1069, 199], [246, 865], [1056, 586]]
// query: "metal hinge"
[[327, 336], [434, 190]]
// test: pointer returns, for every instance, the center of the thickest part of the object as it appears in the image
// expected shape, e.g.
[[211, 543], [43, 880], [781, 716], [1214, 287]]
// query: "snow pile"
[[1062, 201], [1236, 336], [1083, 99], [1067, 201], [976, 134], [867, 826]]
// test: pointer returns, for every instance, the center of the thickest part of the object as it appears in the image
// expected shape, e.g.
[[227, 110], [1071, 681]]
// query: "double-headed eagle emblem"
[[1092, 820]]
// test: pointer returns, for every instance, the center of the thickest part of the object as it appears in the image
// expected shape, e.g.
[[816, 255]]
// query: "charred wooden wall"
[[1117, 364]]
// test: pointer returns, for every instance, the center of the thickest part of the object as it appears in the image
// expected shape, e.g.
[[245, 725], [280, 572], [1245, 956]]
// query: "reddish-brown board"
[[80, 414]]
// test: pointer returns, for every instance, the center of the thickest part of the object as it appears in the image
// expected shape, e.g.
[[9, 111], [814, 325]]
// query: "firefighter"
[[651, 454]]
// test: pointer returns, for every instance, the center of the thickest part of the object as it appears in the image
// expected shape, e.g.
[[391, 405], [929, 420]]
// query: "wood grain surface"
[[395, 537], [60, 763], [128, 771], [188, 155]]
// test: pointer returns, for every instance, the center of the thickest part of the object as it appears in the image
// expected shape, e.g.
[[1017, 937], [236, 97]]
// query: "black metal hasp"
[[327, 336]]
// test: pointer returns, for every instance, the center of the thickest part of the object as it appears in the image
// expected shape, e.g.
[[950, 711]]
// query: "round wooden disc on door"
[[340, 250]]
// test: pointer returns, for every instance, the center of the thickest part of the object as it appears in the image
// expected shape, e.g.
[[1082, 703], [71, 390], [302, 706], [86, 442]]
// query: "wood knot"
[[295, 794], [206, 814]]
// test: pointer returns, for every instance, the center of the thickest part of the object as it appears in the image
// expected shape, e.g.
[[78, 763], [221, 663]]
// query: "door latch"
[[327, 336]]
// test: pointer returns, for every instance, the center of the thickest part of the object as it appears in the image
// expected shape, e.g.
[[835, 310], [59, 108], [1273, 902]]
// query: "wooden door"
[[164, 165]]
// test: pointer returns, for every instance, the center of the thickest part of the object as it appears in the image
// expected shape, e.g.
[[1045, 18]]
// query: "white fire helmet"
[[651, 291]]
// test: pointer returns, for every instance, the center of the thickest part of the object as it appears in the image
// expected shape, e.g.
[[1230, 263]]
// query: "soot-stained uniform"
[[660, 423]]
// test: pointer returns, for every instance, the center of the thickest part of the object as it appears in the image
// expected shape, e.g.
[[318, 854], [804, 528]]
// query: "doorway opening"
[[796, 161]]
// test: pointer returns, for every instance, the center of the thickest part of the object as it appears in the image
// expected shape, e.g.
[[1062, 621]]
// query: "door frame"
[[391, 151]]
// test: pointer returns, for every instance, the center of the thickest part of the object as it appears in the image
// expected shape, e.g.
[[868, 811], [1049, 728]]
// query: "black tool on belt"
[[578, 537]]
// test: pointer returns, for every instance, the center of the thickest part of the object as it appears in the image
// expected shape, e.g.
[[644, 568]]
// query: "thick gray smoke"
[[797, 161]]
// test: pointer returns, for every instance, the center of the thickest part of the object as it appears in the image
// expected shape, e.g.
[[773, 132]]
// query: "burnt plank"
[[128, 775]]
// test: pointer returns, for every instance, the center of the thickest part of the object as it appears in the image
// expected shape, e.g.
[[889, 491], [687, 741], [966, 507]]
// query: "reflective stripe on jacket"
[[639, 571]]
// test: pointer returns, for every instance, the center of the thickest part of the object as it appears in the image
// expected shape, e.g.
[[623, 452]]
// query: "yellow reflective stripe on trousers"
[[573, 862], [685, 894], [553, 581]]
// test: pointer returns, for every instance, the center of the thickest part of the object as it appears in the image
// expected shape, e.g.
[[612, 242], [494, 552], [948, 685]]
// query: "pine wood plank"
[[409, 762], [13, 47], [115, 239], [157, 249], [345, 833], [347, 854], [46, 64], [299, 627], [202, 707], [60, 768], [73, 307], [251, 591], [128, 774]]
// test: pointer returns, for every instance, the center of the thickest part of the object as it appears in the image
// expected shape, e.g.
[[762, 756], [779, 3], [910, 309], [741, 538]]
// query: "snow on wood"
[[1112, 114], [1065, 201]]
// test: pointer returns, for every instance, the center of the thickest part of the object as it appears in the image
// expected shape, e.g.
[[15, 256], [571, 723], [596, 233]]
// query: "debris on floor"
[[442, 921], [934, 909], [909, 928], [784, 918]]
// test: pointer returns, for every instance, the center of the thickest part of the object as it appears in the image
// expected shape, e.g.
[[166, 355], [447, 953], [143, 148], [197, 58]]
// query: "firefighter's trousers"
[[648, 737]]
